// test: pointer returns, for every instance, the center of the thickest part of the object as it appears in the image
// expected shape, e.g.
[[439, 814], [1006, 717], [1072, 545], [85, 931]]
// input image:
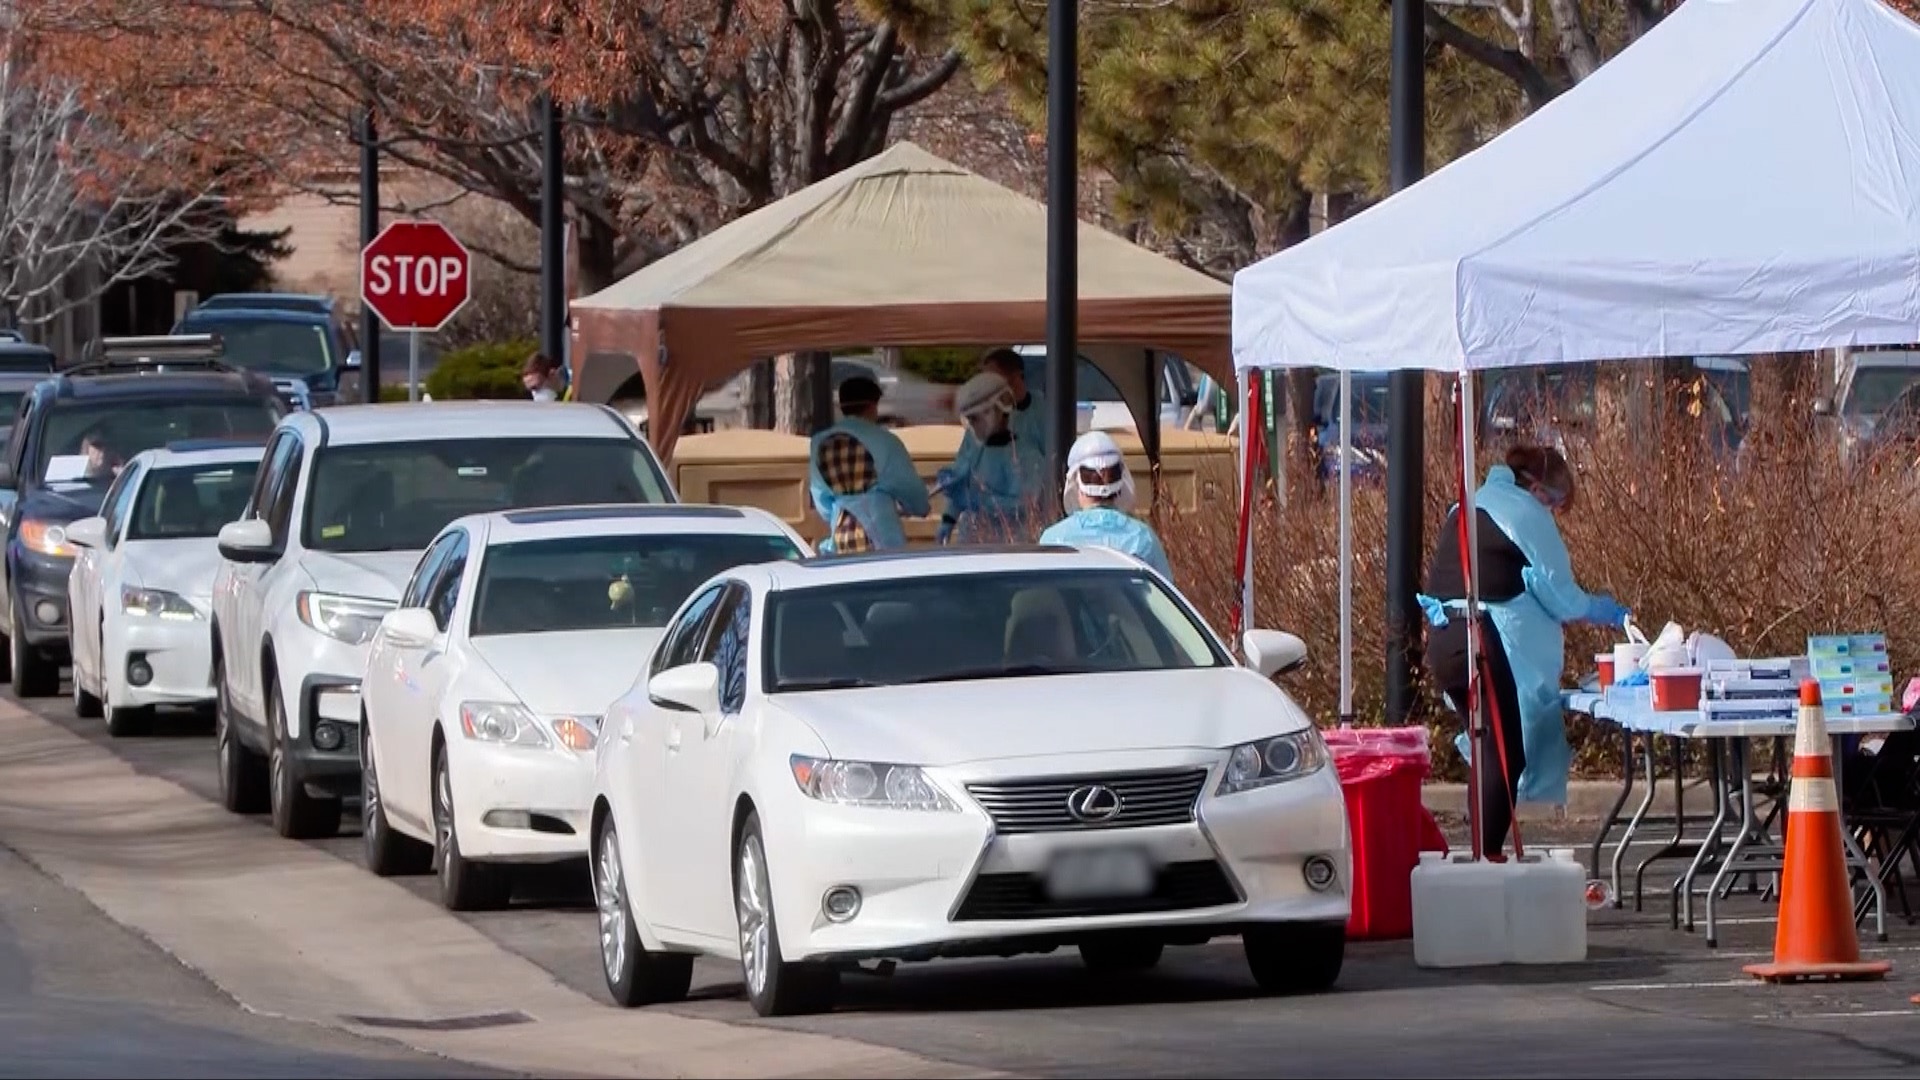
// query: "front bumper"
[[519, 804], [325, 751], [947, 883], [179, 653], [39, 587]]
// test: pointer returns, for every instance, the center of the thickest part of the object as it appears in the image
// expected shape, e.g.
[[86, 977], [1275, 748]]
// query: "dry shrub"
[[1761, 547]]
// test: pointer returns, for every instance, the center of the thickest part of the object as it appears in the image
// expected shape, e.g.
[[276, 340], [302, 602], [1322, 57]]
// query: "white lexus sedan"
[[483, 692], [142, 582], [958, 752]]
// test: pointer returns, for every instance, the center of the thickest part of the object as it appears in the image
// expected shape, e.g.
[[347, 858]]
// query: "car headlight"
[[156, 604], [503, 722], [352, 619], [869, 783], [1272, 761], [46, 538]]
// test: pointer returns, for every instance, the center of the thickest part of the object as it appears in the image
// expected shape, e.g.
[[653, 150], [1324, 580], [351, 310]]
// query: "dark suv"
[[71, 435], [300, 342]]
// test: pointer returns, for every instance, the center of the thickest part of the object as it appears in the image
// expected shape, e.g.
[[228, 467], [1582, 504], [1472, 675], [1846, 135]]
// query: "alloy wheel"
[[613, 913], [750, 900]]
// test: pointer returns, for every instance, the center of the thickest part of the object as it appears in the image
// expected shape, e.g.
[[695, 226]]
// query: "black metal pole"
[[369, 228], [1406, 394], [553, 235], [1063, 224]]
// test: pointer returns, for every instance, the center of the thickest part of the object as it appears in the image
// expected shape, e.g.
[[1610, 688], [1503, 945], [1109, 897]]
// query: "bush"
[[490, 371], [1761, 548], [950, 365]]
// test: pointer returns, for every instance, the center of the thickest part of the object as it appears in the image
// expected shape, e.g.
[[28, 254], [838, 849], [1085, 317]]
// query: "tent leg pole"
[[1346, 548]]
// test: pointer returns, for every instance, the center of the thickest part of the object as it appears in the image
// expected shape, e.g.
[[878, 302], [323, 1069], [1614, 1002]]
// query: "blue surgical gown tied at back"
[[897, 485], [1104, 526], [1530, 629]]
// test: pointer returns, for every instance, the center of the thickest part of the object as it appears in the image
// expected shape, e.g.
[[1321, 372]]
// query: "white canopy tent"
[[1743, 179]]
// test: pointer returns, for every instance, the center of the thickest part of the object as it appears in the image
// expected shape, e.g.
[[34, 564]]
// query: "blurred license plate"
[[1100, 874]]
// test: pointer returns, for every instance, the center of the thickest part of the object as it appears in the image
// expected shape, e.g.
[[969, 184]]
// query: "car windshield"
[[980, 626], [398, 496], [606, 582], [292, 346], [1874, 388], [10, 404], [191, 500], [120, 429]]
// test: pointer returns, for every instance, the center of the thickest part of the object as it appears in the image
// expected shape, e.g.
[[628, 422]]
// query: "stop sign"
[[415, 275]]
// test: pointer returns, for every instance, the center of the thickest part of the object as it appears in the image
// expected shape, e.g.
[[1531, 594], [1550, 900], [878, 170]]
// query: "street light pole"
[[1406, 394], [1063, 224], [369, 228], [553, 231]]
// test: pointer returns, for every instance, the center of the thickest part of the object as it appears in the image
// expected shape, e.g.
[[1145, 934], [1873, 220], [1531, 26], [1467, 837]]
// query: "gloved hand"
[[944, 479], [961, 498], [1604, 610], [945, 532]]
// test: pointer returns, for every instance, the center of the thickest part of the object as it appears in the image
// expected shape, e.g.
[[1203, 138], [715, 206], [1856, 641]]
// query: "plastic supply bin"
[[1381, 773]]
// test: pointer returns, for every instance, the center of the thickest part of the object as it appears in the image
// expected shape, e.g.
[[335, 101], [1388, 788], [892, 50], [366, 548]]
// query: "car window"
[[1090, 383], [980, 626], [727, 646], [606, 582], [130, 425], [114, 507], [278, 509], [397, 496], [191, 500], [424, 571], [683, 640], [445, 590], [291, 346]]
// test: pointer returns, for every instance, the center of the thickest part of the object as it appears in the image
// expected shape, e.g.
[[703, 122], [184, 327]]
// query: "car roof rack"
[[156, 352]]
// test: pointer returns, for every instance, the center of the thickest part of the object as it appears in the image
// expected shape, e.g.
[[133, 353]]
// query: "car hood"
[[63, 501], [185, 566], [375, 575], [960, 722], [572, 673]]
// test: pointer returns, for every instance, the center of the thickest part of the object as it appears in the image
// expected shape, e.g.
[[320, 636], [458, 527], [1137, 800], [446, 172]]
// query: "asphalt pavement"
[[1650, 1001]]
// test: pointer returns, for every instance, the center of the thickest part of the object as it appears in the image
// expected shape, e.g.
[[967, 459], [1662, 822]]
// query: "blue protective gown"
[[1104, 526], [1530, 629], [996, 488], [1029, 425], [898, 486]]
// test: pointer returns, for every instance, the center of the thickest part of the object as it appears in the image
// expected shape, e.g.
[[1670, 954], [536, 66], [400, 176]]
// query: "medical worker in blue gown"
[[1528, 594], [1099, 495], [861, 477], [995, 485]]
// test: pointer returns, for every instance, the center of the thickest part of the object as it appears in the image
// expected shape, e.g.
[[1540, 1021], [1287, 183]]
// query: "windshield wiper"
[[1001, 671], [838, 682]]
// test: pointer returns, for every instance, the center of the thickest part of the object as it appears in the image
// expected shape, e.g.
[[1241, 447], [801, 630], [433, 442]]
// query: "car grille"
[[1181, 886], [1166, 797]]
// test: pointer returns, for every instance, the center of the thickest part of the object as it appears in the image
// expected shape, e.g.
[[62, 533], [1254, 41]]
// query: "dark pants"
[[1447, 660]]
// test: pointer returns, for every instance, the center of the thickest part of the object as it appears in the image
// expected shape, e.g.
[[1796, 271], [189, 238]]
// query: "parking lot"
[[300, 931]]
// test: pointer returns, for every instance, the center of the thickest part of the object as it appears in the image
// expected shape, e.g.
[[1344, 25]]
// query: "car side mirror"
[[88, 532], [690, 688], [1823, 406], [249, 541], [410, 628], [1273, 652], [353, 360]]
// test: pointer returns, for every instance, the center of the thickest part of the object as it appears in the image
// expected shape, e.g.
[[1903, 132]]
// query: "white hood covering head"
[[1094, 454]]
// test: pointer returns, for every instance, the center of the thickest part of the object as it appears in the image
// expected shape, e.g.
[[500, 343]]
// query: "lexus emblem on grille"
[[1093, 804]]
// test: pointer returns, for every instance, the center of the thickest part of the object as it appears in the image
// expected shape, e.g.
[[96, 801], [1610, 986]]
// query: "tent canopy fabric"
[[1740, 180], [901, 249]]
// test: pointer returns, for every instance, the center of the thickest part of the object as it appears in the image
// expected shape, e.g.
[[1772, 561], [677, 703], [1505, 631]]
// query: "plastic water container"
[[1547, 909], [1459, 911]]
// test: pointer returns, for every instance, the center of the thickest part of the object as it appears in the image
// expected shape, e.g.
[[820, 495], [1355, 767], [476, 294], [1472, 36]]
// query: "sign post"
[[416, 276]]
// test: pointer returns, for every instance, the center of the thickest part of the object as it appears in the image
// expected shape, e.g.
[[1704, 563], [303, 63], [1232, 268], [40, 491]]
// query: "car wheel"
[[243, 776], [389, 854], [635, 976], [33, 674], [297, 815], [85, 705], [464, 885], [774, 986], [1121, 953], [1295, 958]]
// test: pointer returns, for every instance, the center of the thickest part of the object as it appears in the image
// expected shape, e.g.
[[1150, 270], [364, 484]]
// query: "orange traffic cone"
[[1816, 937]]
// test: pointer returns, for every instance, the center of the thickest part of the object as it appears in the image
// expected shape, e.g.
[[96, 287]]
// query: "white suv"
[[346, 500]]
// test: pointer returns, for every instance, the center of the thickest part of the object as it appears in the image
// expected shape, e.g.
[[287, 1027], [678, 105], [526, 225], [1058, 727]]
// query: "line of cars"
[[496, 627]]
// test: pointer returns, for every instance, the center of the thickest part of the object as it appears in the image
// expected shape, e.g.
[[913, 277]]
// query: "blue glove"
[[962, 498], [945, 532], [945, 478], [1604, 610]]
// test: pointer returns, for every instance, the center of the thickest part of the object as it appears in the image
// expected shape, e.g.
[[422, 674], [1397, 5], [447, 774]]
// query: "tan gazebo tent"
[[901, 249]]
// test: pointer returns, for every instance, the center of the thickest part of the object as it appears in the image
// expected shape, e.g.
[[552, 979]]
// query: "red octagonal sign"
[[415, 275]]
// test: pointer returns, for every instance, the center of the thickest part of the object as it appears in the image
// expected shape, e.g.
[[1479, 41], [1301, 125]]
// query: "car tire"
[[635, 975], [465, 885], [389, 854], [1295, 958], [242, 775], [1115, 954], [33, 674], [297, 815], [774, 986], [123, 722], [85, 705]]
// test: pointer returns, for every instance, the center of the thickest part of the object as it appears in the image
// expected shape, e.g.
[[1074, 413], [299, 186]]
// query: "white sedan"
[[484, 689], [912, 755], [142, 582]]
